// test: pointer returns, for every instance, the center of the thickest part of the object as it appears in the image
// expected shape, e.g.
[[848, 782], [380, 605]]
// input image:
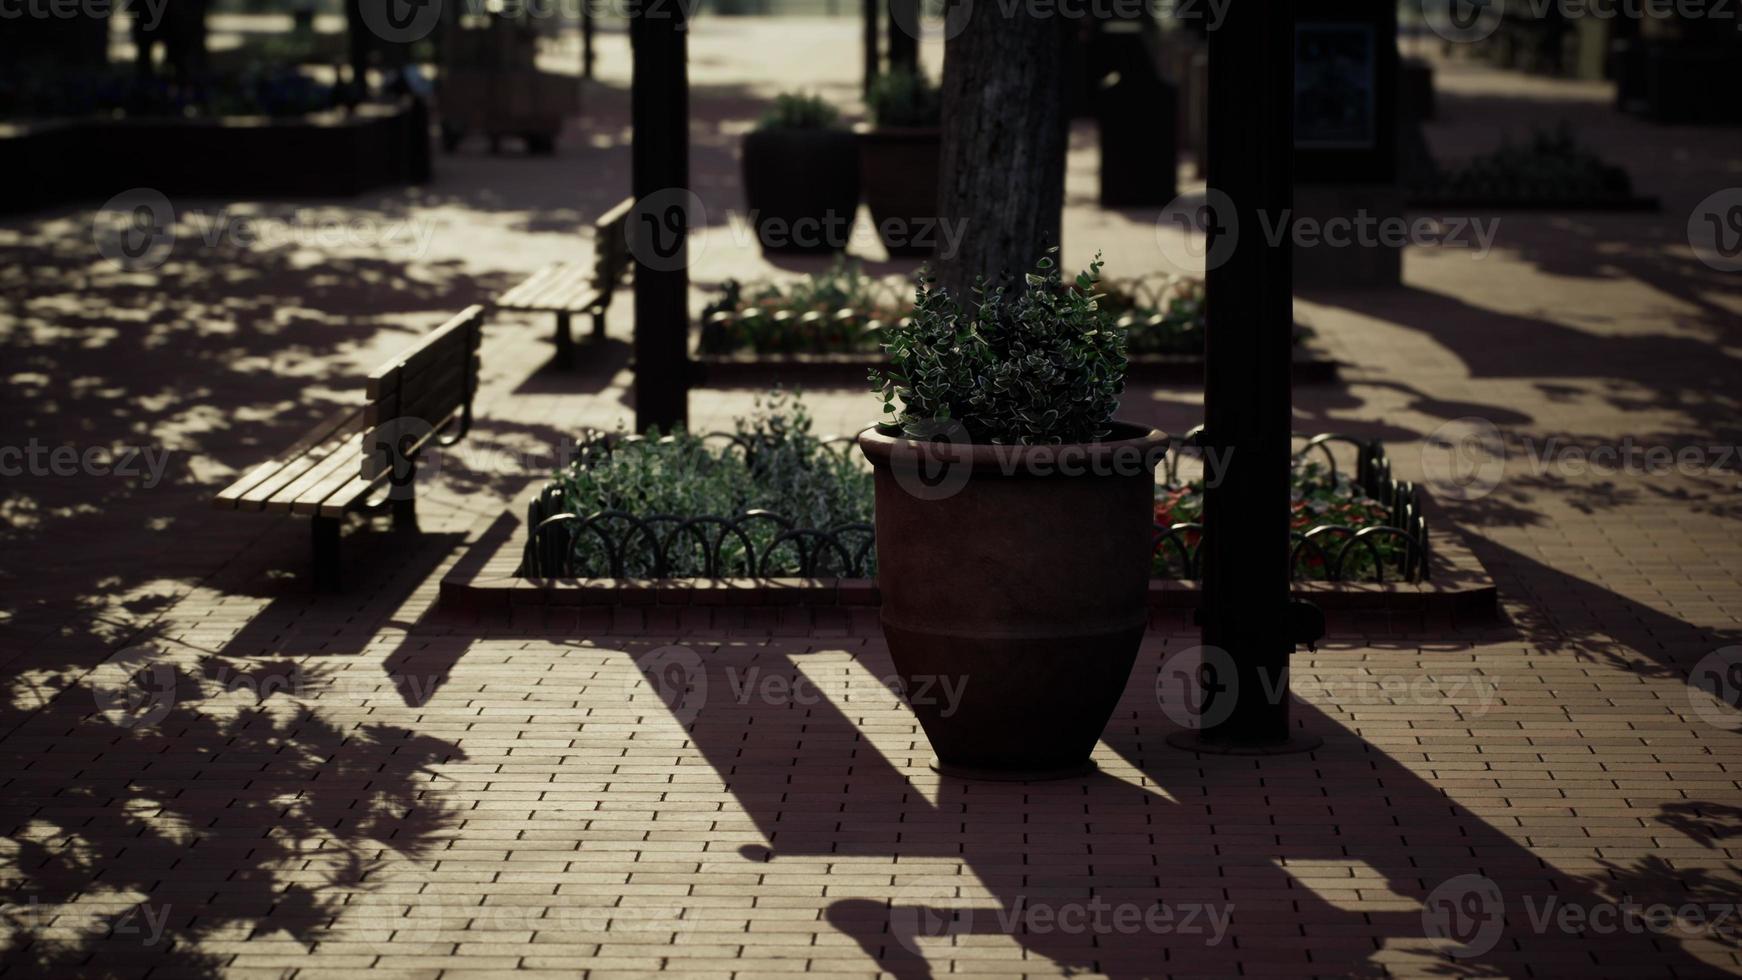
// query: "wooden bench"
[[568, 288], [365, 457]]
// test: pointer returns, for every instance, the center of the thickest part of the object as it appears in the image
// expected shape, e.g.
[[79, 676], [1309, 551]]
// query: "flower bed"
[[1550, 171], [321, 154], [795, 581], [771, 500], [825, 329], [767, 500]]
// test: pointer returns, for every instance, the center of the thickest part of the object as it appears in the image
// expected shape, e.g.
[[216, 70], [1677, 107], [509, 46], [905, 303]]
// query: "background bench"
[[568, 288], [365, 457]]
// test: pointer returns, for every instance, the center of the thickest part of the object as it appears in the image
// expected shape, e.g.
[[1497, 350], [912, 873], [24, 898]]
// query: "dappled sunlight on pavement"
[[363, 781]]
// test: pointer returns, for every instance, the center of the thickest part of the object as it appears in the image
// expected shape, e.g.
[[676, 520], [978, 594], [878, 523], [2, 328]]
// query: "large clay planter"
[[1014, 582], [802, 186], [898, 169]]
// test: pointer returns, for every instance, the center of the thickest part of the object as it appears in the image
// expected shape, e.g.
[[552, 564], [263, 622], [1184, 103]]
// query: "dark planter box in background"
[[1139, 155], [1690, 84], [1136, 111], [898, 174], [329, 154], [1415, 83], [801, 187]]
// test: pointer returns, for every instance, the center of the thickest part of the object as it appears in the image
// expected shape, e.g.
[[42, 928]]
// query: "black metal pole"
[[871, 8], [1246, 614], [660, 165], [904, 35], [587, 40]]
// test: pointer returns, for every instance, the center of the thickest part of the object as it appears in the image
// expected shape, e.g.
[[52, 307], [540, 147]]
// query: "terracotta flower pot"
[[802, 188], [1014, 582], [898, 168]]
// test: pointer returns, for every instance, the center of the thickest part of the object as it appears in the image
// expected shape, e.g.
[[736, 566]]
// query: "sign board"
[[1345, 93]]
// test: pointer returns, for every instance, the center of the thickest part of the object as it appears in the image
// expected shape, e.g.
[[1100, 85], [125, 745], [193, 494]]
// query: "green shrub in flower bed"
[[749, 488], [772, 499], [837, 312], [1163, 316], [832, 312], [1551, 168]]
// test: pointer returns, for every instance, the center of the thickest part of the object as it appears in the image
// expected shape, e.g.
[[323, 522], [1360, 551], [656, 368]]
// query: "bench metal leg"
[[405, 514], [565, 342], [599, 325], [326, 553], [403, 496]]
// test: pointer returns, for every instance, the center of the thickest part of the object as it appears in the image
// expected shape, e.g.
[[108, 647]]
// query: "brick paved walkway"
[[354, 784]]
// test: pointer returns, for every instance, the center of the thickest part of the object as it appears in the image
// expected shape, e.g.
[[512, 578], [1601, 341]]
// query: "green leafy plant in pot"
[[1013, 522], [801, 177], [898, 157]]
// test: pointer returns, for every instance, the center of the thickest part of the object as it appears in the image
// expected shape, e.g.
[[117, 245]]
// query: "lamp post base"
[[1196, 742]]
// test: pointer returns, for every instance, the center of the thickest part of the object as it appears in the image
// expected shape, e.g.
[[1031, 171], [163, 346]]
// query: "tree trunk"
[[1002, 171]]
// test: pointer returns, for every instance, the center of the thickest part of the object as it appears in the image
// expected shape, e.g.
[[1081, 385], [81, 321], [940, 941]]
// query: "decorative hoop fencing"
[[763, 544], [1395, 551], [853, 329], [754, 544]]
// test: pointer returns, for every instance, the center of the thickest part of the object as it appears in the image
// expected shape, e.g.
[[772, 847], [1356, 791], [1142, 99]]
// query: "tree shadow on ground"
[[1560, 613], [213, 362], [1284, 847], [178, 797]]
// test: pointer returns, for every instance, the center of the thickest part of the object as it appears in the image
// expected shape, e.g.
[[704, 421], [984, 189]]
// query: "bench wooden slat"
[[459, 348], [329, 486], [529, 286], [230, 496], [340, 460], [295, 468], [373, 464], [618, 214], [346, 496], [530, 294], [583, 298], [458, 325], [560, 290], [578, 287], [548, 292], [431, 395]]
